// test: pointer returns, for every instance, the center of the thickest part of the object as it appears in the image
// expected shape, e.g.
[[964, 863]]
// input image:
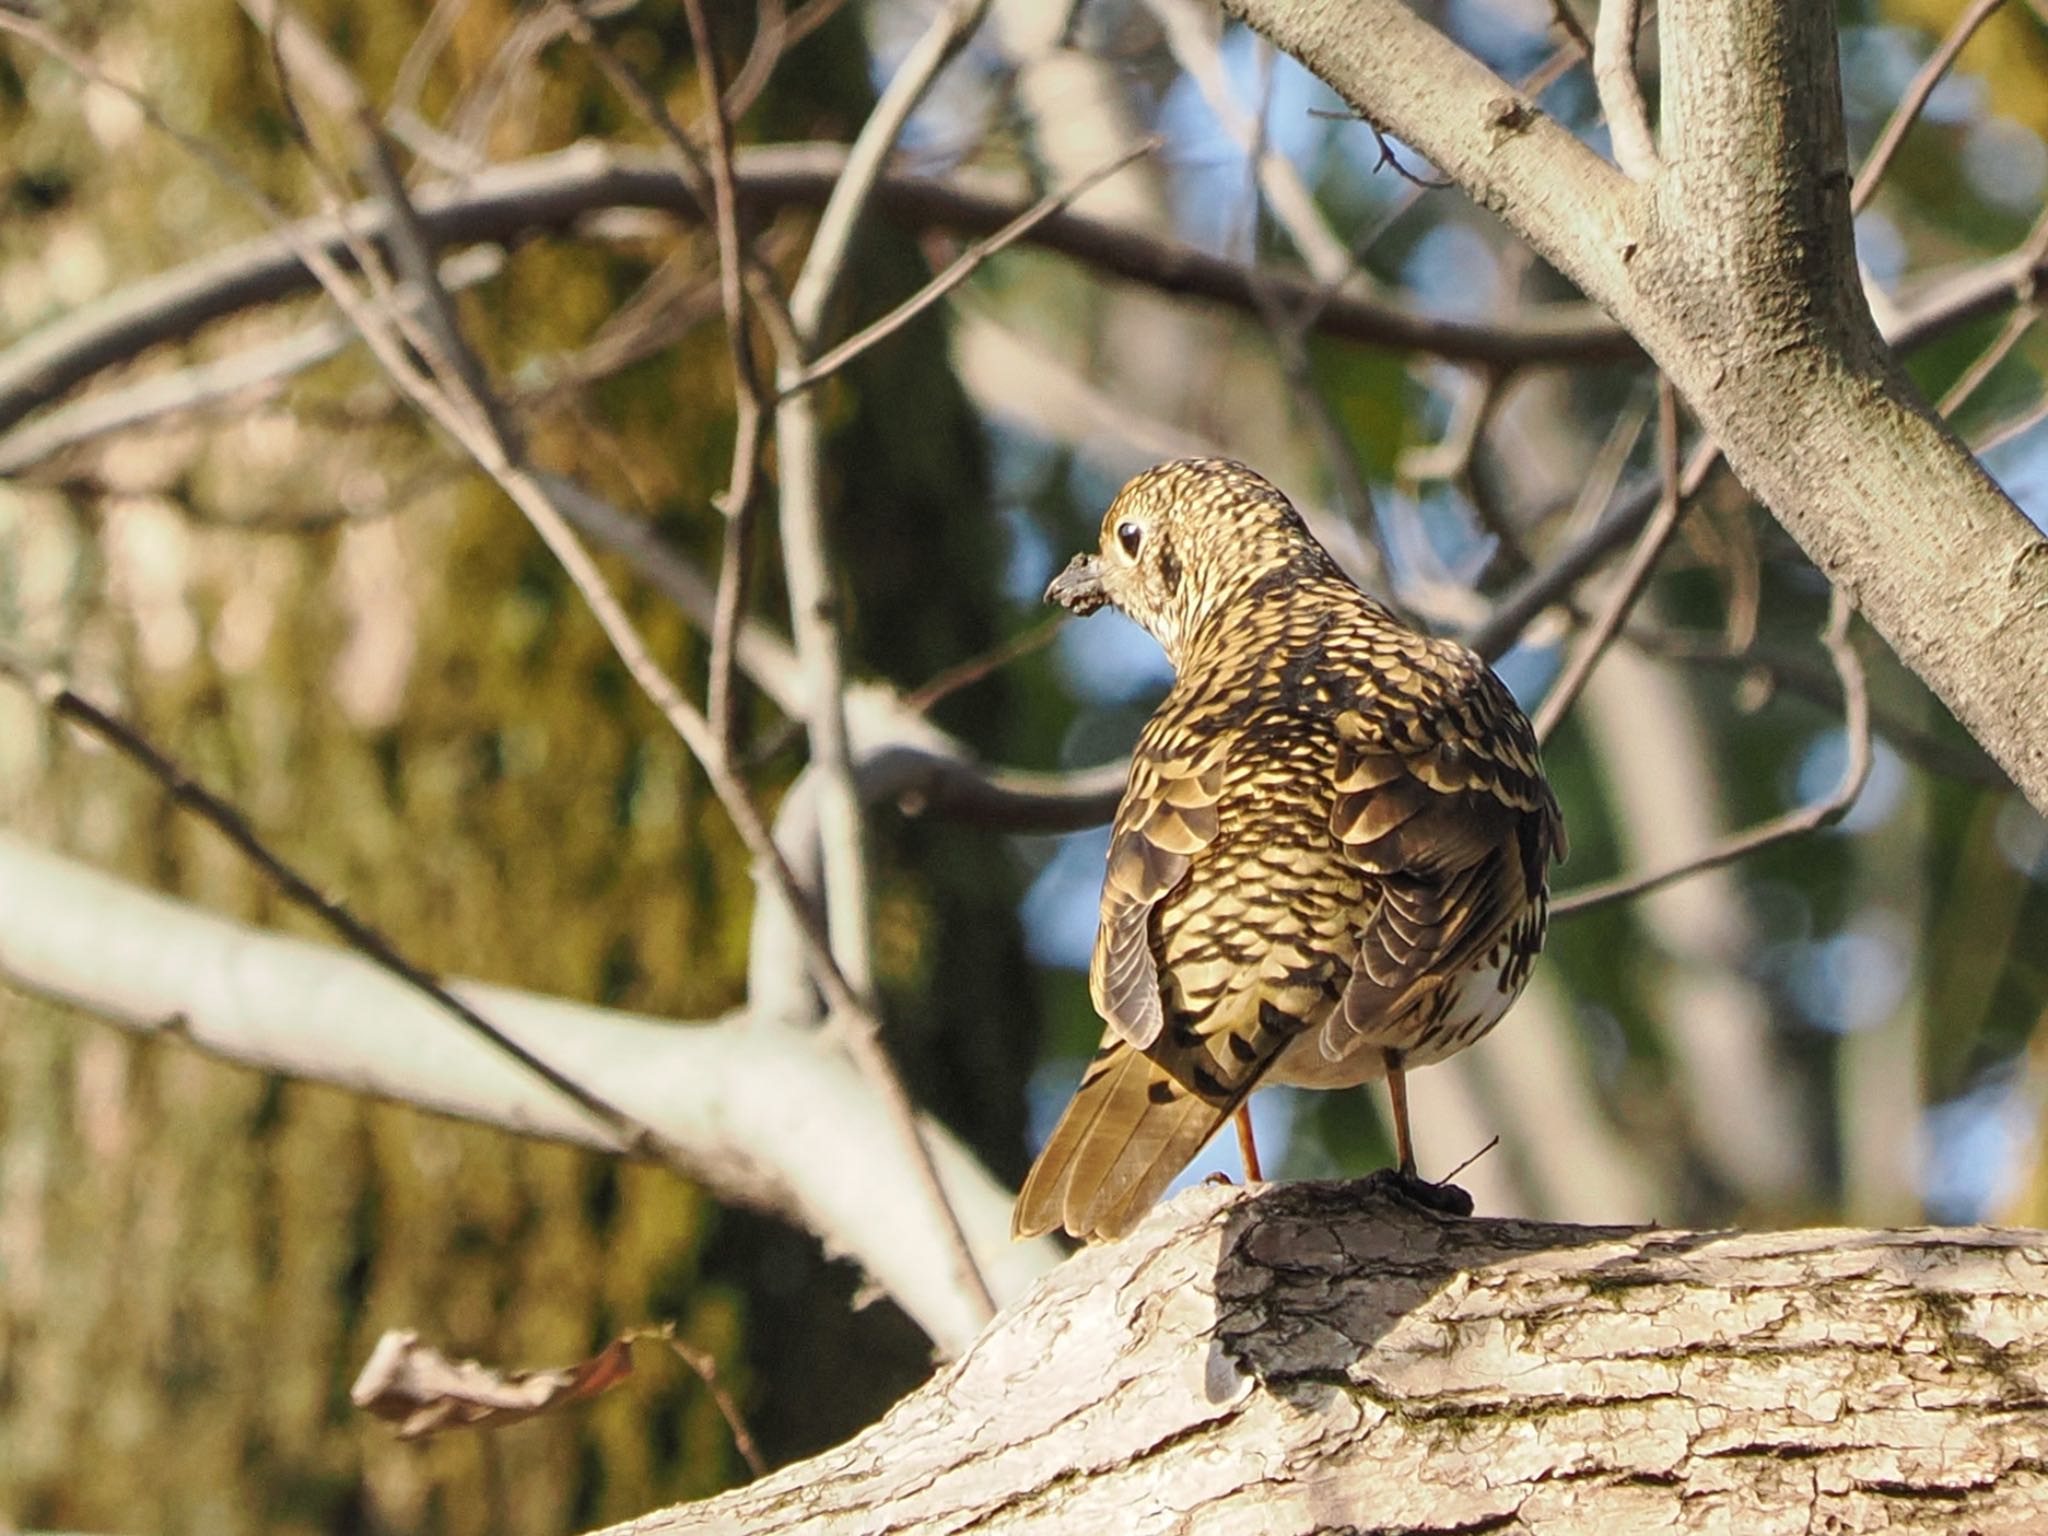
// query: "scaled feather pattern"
[[1334, 845]]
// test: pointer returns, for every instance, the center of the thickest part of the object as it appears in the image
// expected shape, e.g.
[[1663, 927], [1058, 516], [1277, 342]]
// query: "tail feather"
[[1128, 1131]]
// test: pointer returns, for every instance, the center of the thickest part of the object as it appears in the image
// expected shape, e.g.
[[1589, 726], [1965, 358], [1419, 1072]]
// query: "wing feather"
[[1167, 816], [1438, 793]]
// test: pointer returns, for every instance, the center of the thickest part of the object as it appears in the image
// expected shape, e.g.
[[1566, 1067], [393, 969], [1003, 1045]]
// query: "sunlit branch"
[[807, 567], [1621, 93], [57, 696]]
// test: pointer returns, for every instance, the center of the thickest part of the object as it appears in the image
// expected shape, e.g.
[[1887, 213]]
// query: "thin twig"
[[1822, 813], [962, 268], [2033, 251], [1781, 669], [966, 673], [739, 265], [421, 55], [1199, 55], [56, 695], [2017, 324], [702, 1363], [1309, 313], [1574, 29], [1914, 100], [833, 242], [735, 559], [1621, 92], [2015, 426], [1193, 36], [770, 46], [1520, 607], [1628, 588]]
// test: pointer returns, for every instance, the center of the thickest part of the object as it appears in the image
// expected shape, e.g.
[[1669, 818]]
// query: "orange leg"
[[1246, 1147], [1397, 1090]]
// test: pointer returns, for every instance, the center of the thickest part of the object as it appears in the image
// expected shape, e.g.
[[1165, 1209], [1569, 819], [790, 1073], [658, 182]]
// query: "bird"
[[1330, 864]]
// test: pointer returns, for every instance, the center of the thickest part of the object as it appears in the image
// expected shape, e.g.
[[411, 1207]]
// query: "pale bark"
[[763, 1114], [1734, 266], [1316, 1357]]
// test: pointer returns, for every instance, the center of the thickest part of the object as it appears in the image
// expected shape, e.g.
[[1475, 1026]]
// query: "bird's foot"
[[1219, 1177], [1446, 1199]]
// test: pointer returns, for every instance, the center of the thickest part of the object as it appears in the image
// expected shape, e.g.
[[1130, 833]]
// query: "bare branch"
[[872, 146], [1798, 388], [1824, 812], [207, 384], [807, 566], [738, 503], [1191, 31], [1915, 99], [1635, 576], [478, 433], [1316, 1357], [1621, 92], [554, 191], [765, 1116], [54, 694], [962, 268], [499, 204]]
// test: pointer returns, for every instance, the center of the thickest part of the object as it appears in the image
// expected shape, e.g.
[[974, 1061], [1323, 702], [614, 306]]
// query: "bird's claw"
[[1446, 1199]]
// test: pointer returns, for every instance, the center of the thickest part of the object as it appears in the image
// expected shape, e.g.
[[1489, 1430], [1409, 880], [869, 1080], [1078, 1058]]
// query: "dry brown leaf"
[[422, 1391]]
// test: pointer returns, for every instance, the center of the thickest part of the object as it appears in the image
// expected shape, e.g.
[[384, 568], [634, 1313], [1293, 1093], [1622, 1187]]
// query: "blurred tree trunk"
[[194, 1259]]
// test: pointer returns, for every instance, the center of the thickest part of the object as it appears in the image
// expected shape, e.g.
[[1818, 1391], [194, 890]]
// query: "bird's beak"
[[1078, 588]]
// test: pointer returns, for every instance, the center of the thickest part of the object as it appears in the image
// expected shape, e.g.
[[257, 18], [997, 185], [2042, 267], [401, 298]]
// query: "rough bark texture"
[[1734, 266], [1319, 1357]]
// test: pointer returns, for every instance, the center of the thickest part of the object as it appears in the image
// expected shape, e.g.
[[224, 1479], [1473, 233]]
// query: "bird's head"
[[1183, 541]]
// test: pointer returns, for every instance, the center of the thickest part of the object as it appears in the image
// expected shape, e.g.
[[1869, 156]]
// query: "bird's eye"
[[1130, 535]]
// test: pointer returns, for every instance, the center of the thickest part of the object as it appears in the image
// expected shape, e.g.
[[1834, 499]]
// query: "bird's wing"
[[1439, 797], [1168, 814]]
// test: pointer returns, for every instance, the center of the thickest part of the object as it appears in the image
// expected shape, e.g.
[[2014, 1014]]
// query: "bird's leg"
[[1397, 1090], [1402, 1178], [1247, 1148]]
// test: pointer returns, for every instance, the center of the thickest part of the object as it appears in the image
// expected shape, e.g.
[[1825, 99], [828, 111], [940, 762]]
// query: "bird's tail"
[[1130, 1128]]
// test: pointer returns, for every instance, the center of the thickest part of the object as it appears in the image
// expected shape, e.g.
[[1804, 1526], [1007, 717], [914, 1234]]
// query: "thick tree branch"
[[552, 192], [1316, 1357], [759, 1114], [1735, 268]]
